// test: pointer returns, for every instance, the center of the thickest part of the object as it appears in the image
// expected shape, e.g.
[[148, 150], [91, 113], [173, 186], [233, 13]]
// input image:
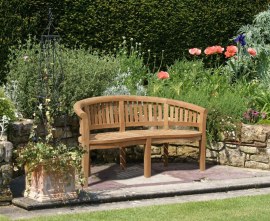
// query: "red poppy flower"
[[252, 51], [163, 75], [213, 50], [231, 51]]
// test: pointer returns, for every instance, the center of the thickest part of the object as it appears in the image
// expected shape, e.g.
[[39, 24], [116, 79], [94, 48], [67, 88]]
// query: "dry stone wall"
[[250, 148]]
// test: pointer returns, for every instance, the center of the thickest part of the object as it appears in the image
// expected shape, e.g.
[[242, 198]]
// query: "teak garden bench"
[[132, 116]]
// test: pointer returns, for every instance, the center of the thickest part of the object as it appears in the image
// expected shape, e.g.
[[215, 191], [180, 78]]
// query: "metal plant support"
[[50, 78]]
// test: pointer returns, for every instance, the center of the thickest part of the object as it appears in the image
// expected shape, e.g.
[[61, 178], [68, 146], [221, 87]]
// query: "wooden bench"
[[171, 119]]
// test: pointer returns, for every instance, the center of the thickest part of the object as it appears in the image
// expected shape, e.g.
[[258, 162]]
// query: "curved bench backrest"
[[125, 111]]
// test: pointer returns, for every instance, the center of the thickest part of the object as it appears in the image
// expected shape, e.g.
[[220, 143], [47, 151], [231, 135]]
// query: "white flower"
[[25, 58]]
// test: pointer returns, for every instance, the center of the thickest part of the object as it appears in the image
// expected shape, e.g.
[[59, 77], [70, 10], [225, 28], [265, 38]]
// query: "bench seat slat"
[[116, 137]]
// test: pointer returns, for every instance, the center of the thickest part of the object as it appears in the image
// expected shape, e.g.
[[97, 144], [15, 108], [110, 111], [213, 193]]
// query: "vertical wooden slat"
[[194, 117], [166, 121], [171, 113], [140, 112], [150, 113], [190, 115], [131, 112], [115, 112], [181, 116], [107, 113], [95, 111], [92, 117], [198, 118], [121, 116], [186, 115], [104, 121], [135, 109], [111, 113], [160, 112], [145, 112], [155, 111], [127, 111], [176, 114], [99, 106]]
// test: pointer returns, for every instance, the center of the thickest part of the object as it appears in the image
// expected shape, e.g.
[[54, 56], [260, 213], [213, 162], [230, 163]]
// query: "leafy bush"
[[258, 36], [87, 73], [132, 73], [6, 106], [210, 88]]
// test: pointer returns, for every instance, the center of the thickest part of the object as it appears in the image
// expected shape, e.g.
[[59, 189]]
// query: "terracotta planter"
[[43, 186]]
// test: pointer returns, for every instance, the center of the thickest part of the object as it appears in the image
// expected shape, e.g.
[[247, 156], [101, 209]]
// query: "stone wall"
[[67, 129], [5, 171], [251, 148]]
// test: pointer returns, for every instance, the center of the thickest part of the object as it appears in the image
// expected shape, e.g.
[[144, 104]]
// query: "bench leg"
[[147, 158], [202, 146], [86, 167], [166, 154], [123, 163]]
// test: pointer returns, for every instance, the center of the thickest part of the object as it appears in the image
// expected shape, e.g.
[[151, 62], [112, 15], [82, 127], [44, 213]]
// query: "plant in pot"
[[51, 166]]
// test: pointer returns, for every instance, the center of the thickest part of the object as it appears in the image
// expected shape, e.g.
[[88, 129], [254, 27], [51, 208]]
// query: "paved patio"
[[109, 183]]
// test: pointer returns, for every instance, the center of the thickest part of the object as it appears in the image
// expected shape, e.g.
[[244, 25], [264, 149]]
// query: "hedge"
[[172, 26]]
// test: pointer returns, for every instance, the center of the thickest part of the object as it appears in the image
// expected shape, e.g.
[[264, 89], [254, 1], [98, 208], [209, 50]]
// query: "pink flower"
[[210, 50], [252, 51], [231, 51], [163, 75], [219, 49], [213, 50], [195, 51]]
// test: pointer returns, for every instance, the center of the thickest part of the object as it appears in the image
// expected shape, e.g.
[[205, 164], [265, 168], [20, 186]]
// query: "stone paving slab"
[[110, 184]]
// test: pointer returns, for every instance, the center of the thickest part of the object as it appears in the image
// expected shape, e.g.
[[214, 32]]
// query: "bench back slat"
[[129, 111]]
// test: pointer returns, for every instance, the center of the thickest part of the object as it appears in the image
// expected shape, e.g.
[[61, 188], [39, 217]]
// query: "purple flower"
[[241, 39], [255, 113], [246, 116]]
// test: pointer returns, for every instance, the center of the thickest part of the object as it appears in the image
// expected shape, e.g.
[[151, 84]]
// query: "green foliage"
[[173, 26], [23, 64], [212, 89], [132, 73], [87, 73], [20, 19], [59, 159], [6, 106], [258, 37], [243, 65], [262, 101], [264, 122]]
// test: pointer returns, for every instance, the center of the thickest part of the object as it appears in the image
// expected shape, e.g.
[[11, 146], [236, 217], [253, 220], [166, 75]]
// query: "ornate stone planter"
[[5, 171], [43, 186]]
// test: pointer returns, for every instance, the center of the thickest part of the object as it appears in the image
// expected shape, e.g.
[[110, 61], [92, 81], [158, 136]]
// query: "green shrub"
[[258, 36], [87, 73], [210, 88], [132, 74], [6, 106]]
